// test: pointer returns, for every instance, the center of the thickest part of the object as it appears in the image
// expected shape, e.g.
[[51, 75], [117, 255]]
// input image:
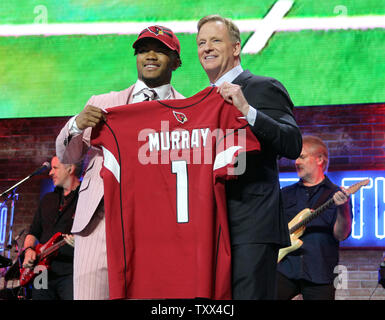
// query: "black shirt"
[[55, 214]]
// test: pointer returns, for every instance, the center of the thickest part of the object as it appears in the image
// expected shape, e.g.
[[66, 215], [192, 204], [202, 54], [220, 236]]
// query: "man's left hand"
[[232, 93], [69, 239], [341, 197]]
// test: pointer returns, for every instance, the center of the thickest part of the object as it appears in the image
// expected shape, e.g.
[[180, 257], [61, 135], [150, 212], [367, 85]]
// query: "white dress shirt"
[[163, 92], [230, 76]]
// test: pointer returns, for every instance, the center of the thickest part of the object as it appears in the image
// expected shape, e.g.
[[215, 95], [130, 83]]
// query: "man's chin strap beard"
[[156, 82], [152, 83]]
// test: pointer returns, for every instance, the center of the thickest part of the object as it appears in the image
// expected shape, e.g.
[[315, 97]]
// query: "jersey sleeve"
[[233, 140]]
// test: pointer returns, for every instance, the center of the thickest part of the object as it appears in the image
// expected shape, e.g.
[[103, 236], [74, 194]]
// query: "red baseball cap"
[[162, 34]]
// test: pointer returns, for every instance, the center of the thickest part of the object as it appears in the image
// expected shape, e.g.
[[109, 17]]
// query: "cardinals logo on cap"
[[181, 117], [155, 30]]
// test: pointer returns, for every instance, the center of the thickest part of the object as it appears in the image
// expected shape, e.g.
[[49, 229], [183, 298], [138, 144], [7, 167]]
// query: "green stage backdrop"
[[55, 75]]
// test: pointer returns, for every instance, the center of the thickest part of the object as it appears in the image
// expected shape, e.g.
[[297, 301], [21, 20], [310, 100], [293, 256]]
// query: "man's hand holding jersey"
[[89, 117]]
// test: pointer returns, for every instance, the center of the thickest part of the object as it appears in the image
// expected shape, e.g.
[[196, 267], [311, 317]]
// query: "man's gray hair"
[[317, 148], [233, 30]]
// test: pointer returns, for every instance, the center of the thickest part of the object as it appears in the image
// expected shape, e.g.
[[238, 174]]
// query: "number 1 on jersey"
[[179, 167]]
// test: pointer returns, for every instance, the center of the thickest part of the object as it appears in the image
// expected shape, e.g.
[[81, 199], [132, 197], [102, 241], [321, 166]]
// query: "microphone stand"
[[45, 166], [15, 186]]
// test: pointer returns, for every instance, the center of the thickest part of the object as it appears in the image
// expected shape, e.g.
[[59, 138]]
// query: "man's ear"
[[320, 160], [237, 49], [175, 61]]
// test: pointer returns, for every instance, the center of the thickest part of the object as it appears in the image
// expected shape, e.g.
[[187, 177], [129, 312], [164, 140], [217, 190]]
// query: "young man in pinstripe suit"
[[157, 50]]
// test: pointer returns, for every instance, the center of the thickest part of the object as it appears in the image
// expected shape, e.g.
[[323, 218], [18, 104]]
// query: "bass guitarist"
[[309, 270], [55, 214]]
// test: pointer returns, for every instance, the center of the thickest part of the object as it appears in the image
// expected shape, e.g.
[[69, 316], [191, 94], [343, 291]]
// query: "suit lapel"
[[242, 78], [128, 94]]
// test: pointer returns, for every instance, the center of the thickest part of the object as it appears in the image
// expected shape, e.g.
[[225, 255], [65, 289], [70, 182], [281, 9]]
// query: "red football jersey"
[[165, 163]]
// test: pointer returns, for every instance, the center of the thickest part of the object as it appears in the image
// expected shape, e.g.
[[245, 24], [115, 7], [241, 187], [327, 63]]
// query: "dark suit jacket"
[[254, 199]]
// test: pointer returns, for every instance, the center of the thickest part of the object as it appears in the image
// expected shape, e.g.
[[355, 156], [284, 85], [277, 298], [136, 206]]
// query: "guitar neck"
[[52, 249], [312, 215]]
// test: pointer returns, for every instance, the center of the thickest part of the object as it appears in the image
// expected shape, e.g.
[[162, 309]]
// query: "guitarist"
[[309, 269], [55, 214]]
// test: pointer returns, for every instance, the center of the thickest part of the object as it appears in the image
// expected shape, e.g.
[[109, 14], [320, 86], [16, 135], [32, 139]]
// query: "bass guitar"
[[298, 224], [44, 253]]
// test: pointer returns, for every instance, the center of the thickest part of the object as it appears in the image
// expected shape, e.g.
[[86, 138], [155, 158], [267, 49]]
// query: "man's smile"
[[151, 66]]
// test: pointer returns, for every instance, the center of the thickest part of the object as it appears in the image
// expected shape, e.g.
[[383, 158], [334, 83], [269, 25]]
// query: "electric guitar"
[[44, 253], [298, 223]]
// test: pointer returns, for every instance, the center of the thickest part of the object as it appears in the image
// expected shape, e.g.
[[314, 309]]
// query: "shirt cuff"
[[251, 115], [72, 127]]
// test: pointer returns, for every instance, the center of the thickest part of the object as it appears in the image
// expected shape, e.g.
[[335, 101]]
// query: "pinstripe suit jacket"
[[71, 149]]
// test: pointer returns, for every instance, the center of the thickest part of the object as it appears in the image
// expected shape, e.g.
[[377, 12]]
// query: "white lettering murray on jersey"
[[225, 157], [178, 139], [111, 163]]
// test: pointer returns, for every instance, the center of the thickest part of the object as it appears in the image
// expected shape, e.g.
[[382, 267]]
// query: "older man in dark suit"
[[258, 227]]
